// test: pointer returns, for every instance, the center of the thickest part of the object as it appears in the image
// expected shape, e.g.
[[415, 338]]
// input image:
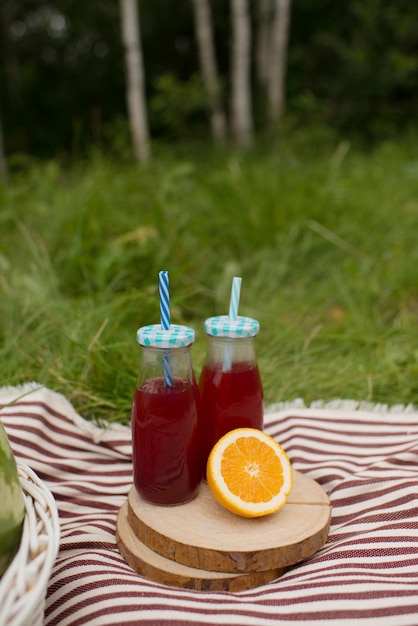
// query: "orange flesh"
[[252, 470]]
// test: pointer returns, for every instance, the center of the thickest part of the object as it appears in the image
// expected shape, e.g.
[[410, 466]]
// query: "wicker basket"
[[24, 584]]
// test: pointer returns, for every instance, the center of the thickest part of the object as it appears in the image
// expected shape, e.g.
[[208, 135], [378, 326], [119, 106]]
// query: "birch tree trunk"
[[204, 33], [278, 59], [135, 90], [263, 40], [241, 110]]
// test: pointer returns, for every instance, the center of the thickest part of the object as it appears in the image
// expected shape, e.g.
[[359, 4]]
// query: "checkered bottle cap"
[[223, 326], [176, 336]]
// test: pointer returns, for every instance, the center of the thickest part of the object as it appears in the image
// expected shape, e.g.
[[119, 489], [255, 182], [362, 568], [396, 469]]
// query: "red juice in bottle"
[[228, 400], [167, 463], [231, 392], [166, 454]]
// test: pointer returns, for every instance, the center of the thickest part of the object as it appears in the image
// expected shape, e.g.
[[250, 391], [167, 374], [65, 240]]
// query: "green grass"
[[324, 236]]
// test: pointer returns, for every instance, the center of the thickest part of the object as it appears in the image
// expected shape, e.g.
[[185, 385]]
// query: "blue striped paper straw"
[[233, 314], [164, 300], [163, 283]]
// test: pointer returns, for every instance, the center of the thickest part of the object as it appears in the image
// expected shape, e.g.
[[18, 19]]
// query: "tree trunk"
[[135, 79], [204, 32], [278, 59], [263, 40], [241, 110]]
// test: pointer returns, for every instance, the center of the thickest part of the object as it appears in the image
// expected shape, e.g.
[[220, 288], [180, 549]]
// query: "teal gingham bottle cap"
[[176, 336], [223, 326]]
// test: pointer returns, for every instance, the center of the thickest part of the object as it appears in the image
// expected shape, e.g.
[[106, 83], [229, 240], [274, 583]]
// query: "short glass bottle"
[[166, 453], [231, 391]]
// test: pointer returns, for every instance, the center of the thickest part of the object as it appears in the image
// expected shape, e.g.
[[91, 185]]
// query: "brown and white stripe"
[[365, 457]]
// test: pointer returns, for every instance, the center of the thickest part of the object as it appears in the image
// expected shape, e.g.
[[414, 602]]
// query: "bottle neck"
[[233, 350], [156, 361]]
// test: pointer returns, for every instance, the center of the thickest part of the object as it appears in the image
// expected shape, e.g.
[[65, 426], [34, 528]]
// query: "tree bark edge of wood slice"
[[155, 567], [203, 535]]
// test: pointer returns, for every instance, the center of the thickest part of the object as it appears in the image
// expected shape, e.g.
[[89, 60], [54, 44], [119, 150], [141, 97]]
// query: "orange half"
[[249, 473]]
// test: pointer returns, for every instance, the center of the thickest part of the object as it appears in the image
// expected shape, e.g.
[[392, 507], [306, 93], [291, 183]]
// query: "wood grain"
[[203, 535], [156, 567]]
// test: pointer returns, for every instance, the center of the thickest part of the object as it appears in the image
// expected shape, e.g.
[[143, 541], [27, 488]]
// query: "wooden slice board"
[[156, 567], [201, 534]]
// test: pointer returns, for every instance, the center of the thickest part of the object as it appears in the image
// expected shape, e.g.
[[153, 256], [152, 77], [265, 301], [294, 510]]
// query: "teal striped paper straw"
[[163, 283], [233, 314], [234, 300]]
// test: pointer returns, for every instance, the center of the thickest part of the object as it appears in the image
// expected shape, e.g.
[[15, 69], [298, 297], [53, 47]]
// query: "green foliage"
[[354, 64], [322, 232], [351, 65], [62, 77], [175, 104]]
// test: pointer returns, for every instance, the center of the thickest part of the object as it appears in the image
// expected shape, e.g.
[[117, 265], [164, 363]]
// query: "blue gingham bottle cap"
[[177, 336], [224, 326]]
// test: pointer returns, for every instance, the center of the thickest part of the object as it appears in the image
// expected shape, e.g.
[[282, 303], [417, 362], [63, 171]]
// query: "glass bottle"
[[231, 392], [166, 454]]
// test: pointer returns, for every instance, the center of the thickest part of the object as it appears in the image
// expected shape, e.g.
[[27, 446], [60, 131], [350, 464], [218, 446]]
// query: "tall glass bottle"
[[231, 392], [166, 453]]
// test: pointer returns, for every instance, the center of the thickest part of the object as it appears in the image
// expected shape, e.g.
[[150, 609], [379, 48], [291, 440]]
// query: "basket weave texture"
[[24, 585]]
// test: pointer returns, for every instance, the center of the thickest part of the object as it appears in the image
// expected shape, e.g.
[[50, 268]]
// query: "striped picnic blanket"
[[365, 457]]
